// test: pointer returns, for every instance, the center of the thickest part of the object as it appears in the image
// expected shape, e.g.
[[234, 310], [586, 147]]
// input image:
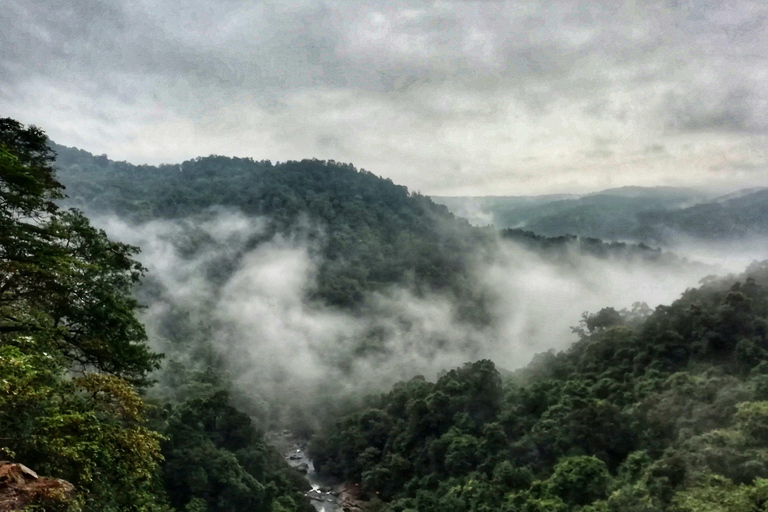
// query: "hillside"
[[611, 217], [335, 268], [77, 367], [726, 218], [610, 214], [659, 410], [366, 233], [370, 232], [650, 215], [487, 210], [278, 292]]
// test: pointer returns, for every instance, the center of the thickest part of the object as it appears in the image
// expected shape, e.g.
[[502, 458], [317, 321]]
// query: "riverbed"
[[326, 494]]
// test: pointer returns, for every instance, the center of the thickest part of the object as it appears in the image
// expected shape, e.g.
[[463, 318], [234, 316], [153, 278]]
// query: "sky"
[[452, 97]]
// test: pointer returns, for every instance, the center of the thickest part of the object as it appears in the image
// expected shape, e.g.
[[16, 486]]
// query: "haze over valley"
[[405, 256], [264, 273]]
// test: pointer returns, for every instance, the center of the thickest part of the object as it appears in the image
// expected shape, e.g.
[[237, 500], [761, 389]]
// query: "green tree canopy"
[[71, 348]]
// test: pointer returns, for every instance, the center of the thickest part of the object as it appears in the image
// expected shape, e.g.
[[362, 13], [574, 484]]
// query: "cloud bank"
[[248, 304], [447, 96]]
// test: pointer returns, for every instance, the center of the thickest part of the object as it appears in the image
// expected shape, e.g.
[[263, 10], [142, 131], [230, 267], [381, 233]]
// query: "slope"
[[609, 214], [724, 219], [370, 232], [657, 411], [658, 215]]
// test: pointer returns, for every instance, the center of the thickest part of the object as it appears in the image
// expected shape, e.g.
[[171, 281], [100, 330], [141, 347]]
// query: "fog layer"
[[247, 302]]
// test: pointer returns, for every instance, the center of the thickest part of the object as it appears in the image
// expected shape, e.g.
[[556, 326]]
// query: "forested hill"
[[369, 232], [609, 214], [651, 411], [372, 233], [75, 367], [655, 215], [328, 189], [726, 218]]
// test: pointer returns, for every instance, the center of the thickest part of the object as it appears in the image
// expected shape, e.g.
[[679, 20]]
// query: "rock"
[[20, 487], [349, 498], [15, 474], [303, 467]]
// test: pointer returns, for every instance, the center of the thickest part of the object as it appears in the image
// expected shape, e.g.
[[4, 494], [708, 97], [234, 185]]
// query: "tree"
[[580, 480], [71, 349], [60, 278], [218, 461]]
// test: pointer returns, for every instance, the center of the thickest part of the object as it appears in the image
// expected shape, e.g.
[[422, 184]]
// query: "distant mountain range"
[[641, 214], [374, 233], [350, 201]]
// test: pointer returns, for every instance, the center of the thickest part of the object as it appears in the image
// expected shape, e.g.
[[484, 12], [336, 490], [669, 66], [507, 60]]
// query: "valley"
[[332, 341]]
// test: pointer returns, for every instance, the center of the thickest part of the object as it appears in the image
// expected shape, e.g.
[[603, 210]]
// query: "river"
[[326, 494]]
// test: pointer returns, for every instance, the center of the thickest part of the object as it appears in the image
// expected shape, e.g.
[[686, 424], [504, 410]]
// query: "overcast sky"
[[448, 97]]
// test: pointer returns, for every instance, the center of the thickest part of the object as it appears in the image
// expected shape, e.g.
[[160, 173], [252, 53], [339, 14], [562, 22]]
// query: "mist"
[[248, 303], [732, 256]]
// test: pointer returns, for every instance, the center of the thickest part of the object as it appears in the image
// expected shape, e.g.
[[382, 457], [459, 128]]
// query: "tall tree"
[[71, 349]]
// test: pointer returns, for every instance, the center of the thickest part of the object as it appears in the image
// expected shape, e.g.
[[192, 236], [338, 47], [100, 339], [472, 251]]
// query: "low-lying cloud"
[[250, 302]]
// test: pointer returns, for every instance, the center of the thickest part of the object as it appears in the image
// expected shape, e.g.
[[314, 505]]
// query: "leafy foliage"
[[215, 457], [71, 348], [650, 410], [74, 360], [373, 233], [659, 410]]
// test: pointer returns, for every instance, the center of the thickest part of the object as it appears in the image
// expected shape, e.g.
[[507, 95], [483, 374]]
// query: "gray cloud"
[[277, 343], [444, 96]]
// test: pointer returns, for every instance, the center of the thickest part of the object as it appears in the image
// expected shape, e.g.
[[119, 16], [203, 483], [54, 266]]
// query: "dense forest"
[[367, 234], [75, 365], [554, 245], [374, 232], [648, 410]]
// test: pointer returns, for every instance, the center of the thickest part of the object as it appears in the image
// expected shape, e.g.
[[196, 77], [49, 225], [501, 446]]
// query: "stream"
[[327, 494]]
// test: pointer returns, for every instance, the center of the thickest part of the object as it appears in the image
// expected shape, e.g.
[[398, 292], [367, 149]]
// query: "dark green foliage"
[[215, 456], [580, 480], [647, 409], [71, 349], [55, 262], [561, 248], [371, 232], [592, 246], [73, 357]]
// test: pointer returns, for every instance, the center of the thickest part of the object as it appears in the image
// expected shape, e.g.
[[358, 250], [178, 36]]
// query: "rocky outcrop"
[[349, 499], [20, 487]]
